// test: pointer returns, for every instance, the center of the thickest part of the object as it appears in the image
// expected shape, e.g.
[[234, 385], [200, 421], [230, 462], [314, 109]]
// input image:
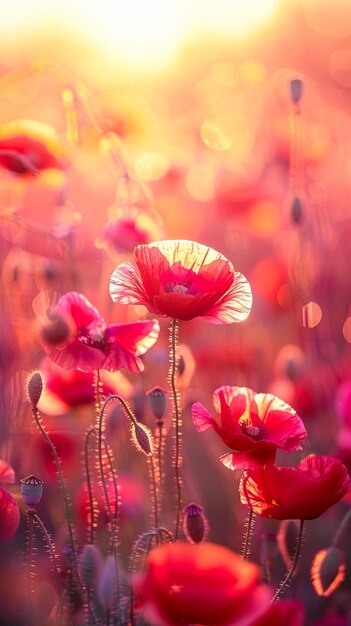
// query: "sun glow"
[[138, 32]]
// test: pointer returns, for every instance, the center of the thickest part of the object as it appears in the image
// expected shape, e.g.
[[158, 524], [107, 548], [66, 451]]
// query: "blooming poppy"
[[304, 492], [28, 147], [91, 345], [9, 515], [253, 424], [183, 279], [205, 584]]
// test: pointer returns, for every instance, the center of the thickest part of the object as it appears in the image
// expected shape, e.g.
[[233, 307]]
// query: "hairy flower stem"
[[341, 528], [249, 528], [30, 562], [63, 489], [91, 523], [290, 573], [173, 342], [154, 489], [50, 546]]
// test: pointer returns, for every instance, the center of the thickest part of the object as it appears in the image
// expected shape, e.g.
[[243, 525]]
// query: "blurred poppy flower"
[[7, 473], [125, 231], [9, 515], [28, 147], [255, 425], [91, 344], [304, 492], [183, 279], [205, 584], [282, 613]]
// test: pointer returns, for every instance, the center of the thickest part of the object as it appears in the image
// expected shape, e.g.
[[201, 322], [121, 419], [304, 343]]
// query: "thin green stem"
[[30, 564], [154, 489], [176, 420], [290, 573]]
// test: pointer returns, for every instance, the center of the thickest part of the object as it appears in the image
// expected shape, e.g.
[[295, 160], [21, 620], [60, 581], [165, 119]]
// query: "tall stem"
[[294, 564], [248, 534], [91, 525], [341, 529], [63, 489], [173, 340], [154, 489]]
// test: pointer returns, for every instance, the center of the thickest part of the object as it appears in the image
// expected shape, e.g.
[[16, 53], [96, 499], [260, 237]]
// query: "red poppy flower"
[[304, 492], [9, 515], [91, 345], [183, 280], [204, 584], [28, 147], [253, 424]]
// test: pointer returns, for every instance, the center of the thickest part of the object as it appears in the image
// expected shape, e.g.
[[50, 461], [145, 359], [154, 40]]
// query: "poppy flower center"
[[256, 432], [186, 288], [96, 339]]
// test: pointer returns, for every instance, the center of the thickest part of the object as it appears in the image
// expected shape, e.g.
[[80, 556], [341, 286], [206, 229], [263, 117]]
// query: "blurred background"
[[227, 122]]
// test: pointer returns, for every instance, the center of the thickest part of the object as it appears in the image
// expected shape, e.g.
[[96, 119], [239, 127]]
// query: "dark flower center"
[[97, 339], [255, 431], [186, 288]]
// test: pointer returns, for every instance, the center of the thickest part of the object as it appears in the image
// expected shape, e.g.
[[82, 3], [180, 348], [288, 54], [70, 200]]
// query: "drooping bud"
[[327, 571], [56, 331], [158, 399], [195, 525], [287, 541], [296, 210], [34, 388], [90, 565], [142, 438], [296, 90], [31, 490], [107, 582]]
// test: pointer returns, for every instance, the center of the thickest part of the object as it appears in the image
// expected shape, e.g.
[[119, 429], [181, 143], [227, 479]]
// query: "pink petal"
[[127, 342], [81, 311], [202, 419], [9, 515], [126, 286], [235, 305], [76, 355], [7, 473]]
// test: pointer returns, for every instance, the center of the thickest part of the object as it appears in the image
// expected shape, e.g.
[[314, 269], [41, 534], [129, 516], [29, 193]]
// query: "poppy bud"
[[296, 90], [296, 210], [327, 571], [56, 331], [90, 563], [31, 490], [142, 438], [107, 582], [157, 398], [195, 524], [34, 388], [287, 540]]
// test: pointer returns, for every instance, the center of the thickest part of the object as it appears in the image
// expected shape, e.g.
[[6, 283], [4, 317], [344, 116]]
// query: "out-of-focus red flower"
[[92, 345], [255, 425], [28, 147], [123, 232], [282, 613], [68, 448], [9, 515], [183, 279], [304, 492], [65, 389], [205, 584], [7, 473]]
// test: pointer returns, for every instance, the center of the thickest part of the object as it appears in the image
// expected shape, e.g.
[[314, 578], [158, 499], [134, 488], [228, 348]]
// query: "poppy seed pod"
[[31, 490], [195, 524], [296, 90], [34, 388], [157, 398], [327, 571]]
